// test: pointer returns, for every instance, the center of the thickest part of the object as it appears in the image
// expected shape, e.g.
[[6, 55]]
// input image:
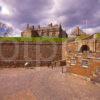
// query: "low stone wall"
[[97, 46], [84, 67], [24, 54]]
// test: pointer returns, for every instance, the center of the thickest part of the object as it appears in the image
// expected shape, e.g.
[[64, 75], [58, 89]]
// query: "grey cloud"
[[79, 10], [27, 11], [36, 11]]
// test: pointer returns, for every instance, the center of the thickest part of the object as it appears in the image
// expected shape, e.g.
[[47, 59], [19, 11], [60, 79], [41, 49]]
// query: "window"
[[98, 71], [73, 61], [85, 63]]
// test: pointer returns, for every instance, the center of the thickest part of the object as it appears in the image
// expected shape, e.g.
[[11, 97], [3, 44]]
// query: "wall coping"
[[33, 43]]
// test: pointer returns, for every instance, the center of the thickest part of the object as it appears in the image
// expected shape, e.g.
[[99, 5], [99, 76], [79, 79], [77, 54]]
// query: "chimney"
[[78, 31], [33, 27], [39, 26], [60, 28], [51, 25], [28, 26]]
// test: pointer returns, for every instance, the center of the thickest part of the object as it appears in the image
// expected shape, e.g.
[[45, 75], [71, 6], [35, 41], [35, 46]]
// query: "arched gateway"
[[84, 48]]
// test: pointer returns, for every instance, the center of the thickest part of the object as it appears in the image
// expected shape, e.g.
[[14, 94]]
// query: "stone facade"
[[83, 56], [85, 67], [89, 44], [25, 54], [49, 31]]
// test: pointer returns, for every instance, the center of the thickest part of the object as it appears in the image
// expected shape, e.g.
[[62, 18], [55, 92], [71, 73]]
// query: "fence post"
[[62, 69]]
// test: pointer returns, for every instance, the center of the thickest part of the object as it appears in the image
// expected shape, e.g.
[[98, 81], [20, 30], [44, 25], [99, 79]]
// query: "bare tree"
[[8, 32]]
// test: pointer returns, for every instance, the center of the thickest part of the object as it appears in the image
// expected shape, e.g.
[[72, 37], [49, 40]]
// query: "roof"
[[89, 37], [93, 36]]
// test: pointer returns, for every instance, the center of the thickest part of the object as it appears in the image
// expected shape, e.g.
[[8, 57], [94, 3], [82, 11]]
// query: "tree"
[[5, 30]]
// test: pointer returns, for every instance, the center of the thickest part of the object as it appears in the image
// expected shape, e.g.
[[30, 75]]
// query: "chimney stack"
[[28, 26], [33, 27], [39, 26], [50, 25], [78, 31]]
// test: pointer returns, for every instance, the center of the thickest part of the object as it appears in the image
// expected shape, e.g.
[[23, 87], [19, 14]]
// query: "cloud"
[[27, 11], [92, 30], [70, 13], [76, 11]]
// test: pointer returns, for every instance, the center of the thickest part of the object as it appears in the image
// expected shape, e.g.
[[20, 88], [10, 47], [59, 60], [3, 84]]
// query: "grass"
[[97, 35], [83, 36], [31, 39]]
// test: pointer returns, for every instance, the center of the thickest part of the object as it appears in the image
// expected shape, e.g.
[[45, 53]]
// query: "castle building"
[[48, 31]]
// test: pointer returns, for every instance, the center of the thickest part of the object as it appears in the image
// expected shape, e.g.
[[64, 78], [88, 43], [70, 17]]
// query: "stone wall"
[[84, 64], [93, 45], [29, 54], [76, 66], [97, 46], [72, 47]]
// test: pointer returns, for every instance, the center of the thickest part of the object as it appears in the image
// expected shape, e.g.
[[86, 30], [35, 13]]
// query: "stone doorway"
[[84, 48]]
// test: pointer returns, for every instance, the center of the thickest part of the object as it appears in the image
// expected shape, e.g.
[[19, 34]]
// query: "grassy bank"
[[33, 39], [97, 36], [83, 36]]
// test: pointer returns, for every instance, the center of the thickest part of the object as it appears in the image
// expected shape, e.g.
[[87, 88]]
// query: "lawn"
[[83, 36], [31, 39], [98, 36]]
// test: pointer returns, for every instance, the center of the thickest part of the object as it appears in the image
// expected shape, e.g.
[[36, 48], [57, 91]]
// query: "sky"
[[69, 13]]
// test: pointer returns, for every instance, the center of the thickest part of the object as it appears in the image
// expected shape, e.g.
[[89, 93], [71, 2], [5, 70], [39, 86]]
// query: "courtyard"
[[45, 84]]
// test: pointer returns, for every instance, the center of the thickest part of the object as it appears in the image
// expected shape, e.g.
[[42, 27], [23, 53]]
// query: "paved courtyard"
[[45, 84]]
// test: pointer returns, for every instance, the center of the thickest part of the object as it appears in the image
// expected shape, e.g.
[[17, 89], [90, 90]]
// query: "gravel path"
[[44, 84]]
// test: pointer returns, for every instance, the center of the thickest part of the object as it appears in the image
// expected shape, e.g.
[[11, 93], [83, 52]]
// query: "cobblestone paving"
[[45, 84]]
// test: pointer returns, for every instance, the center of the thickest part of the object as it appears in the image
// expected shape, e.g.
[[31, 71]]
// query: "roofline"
[[88, 36]]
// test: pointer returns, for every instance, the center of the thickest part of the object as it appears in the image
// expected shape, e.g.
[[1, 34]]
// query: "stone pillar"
[[64, 50]]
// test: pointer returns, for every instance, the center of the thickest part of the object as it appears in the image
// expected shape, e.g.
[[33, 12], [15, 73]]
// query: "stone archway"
[[84, 48]]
